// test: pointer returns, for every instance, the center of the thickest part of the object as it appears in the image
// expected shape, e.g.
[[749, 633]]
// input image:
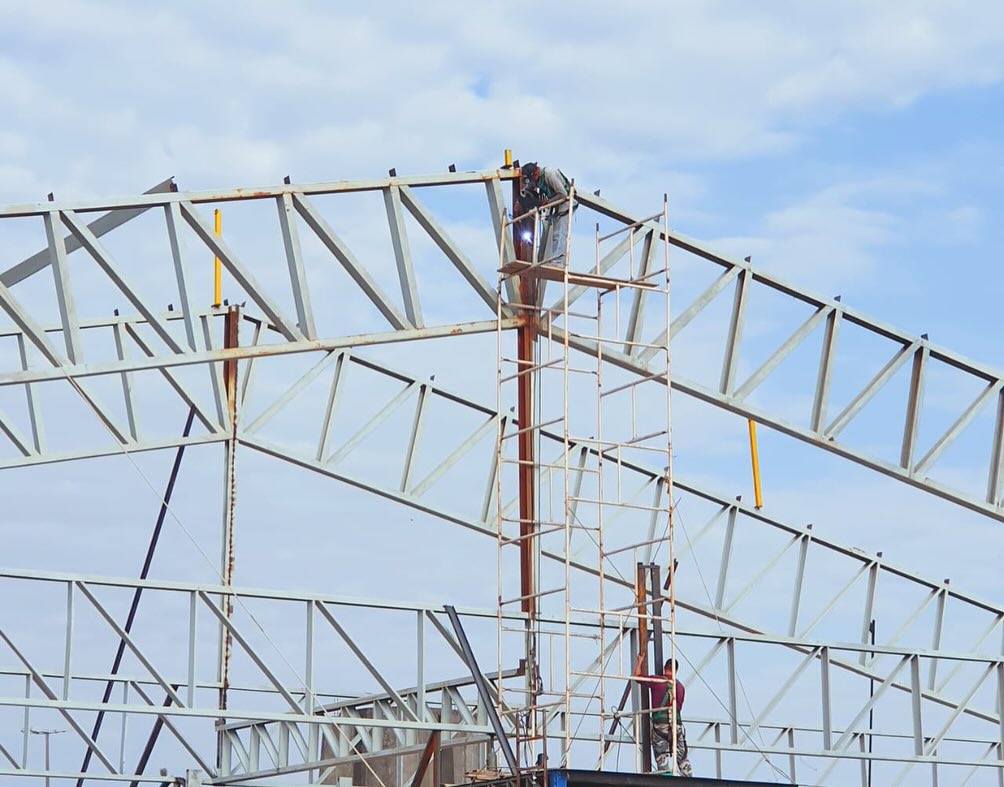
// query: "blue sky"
[[850, 147]]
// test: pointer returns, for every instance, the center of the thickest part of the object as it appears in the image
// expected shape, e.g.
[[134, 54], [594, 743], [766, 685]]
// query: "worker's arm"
[[554, 180]]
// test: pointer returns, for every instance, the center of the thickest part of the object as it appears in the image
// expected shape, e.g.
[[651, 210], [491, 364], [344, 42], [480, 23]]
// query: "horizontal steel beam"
[[912, 467], [256, 193], [52, 457], [81, 371], [775, 421], [116, 218], [247, 715]]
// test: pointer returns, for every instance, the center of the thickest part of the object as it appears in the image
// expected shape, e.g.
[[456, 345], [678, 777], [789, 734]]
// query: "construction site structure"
[[807, 661], [569, 445]]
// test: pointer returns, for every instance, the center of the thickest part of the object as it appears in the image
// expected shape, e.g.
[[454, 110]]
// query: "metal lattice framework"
[[64, 351]]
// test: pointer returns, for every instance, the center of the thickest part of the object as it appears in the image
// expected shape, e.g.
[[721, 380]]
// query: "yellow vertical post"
[[755, 458], [508, 157], [217, 268]]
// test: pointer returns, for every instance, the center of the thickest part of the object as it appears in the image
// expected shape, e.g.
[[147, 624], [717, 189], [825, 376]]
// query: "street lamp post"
[[46, 733]]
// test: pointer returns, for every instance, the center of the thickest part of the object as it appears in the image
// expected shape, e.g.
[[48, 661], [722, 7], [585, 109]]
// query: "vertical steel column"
[[656, 580], [309, 697], [672, 562], [868, 621], [526, 336], [657, 653], [999, 669], [723, 569], [641, 598], [916, 706], [871, 694], [718, 752], [420, 666], [68, 653], [824, 682], [47, 733], [792, 758], [26, 723], [996, 470], [230, 340], [796, 592], [526, 340], [730, 651]]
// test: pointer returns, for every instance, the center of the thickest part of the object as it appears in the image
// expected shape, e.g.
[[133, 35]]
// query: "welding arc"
[[131, 617]]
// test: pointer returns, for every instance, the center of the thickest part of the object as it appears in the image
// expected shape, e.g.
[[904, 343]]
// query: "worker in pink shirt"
[[662, 727]]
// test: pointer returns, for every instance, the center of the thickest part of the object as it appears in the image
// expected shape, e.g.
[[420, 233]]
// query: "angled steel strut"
[[483, 691]]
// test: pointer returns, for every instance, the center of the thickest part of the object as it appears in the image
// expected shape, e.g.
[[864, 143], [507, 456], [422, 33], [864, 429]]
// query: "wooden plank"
[[556, 273]]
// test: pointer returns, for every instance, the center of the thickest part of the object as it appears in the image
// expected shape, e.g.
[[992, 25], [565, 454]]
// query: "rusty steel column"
[[430, 754], [526, 338], [641, 598], [230, 341]]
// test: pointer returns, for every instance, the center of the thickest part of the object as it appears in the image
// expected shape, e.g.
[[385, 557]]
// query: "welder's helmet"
[[530, 170]]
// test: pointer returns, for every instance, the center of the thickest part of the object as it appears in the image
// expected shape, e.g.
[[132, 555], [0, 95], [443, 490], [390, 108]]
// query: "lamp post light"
[[46, 733]]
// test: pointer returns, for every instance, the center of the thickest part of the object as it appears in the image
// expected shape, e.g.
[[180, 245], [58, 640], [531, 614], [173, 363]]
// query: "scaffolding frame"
[[565, 513]]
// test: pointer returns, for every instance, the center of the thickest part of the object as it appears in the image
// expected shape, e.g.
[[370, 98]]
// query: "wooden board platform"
[[557, 273]]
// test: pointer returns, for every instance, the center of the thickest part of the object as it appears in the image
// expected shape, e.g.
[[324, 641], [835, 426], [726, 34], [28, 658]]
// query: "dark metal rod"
[[144, 758], [131, 617], [871, 711], [657, 616], [483, 692], [431, 749], [617, 711]]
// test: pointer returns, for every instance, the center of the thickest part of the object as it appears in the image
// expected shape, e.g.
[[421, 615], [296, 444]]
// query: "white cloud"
[[965, 222], [420, 86], [830, 240]]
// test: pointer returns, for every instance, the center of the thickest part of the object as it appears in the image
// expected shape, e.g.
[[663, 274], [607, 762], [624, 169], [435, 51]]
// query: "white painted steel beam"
[[917, 464]]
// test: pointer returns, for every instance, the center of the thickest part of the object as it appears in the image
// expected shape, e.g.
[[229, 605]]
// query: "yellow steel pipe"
[[755, 459], [508, 157], [217, 267]]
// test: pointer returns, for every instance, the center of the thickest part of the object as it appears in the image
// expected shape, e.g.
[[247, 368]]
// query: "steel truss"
[[297, 329], [268, 741], [808, 614], [312, 724], [179, 350]]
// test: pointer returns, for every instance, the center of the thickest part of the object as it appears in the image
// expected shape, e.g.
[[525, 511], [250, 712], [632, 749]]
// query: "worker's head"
[[671, 666], [530, 171]]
